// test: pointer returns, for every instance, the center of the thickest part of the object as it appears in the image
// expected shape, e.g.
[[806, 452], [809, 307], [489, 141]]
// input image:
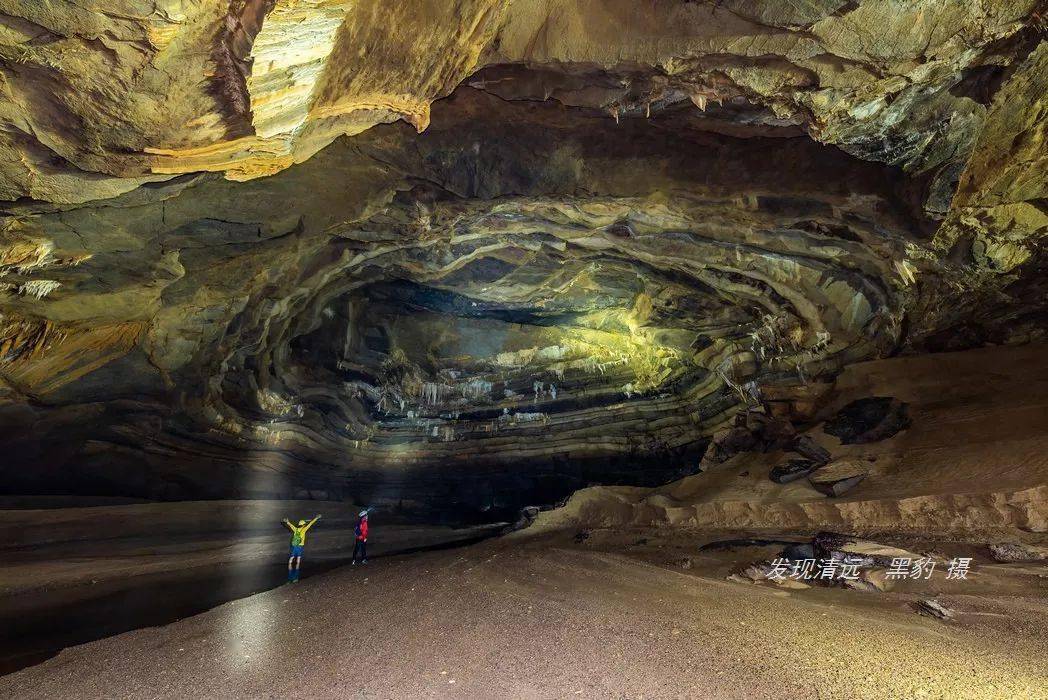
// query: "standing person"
[[298, 543], [361, 532]]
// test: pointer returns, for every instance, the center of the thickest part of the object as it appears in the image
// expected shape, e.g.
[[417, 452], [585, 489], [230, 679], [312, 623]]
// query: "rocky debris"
[[726, 443], [792, 470], [761, 572], [811, 450], [836, 548], [868, 420], [581, 536], [829, 559], [797, 403], [933, 608], [836, 487], [777, 433], [839, 477], [824, 543], [876, 553], [527, 517], [869, 580], [752, 431], [685, 563], [1014, 551]]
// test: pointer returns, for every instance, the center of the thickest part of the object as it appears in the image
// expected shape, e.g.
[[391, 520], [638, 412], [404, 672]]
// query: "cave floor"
[[545, 616], [90, 570]]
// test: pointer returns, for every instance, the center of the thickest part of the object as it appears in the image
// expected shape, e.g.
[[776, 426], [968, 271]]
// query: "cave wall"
[[357, 258]]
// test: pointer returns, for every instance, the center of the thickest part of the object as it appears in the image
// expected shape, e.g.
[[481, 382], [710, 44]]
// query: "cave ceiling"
[[358, 245]]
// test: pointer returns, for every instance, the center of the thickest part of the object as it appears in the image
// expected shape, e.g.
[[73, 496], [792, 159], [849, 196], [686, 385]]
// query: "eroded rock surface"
[[476, 253]]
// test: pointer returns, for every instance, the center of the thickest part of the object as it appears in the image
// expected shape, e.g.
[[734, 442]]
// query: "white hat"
[[363, 513]]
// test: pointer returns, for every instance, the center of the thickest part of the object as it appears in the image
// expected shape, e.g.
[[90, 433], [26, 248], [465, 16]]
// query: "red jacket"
[[363, 525]]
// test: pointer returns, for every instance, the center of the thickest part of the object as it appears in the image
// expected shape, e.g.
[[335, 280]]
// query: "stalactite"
[[38, 288]]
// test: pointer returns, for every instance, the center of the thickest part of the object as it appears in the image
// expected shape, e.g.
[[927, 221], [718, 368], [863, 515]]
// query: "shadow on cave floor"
[[39, 624]]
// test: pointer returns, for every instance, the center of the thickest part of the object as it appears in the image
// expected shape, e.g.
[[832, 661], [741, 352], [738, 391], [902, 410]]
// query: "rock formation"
[[482, 253]]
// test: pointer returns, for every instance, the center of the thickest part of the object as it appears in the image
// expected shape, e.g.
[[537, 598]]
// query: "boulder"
[[792, 470], [809, 449], [872, 580], [758, 573], [752, 431], [527, 517], [878, 554], [778, 434], [839, 477], [933, 608]]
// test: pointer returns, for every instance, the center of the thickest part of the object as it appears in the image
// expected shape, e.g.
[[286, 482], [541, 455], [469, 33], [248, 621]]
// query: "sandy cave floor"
[[91, 570], [612, 616]]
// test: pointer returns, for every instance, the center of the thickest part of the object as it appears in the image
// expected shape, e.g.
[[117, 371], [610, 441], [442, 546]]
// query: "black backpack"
[[356, 530]]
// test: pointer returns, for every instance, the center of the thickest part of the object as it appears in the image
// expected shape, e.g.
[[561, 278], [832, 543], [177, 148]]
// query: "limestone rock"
[[1015, 551], [839, 477], [484, 253], [933, 608], [791, 471]]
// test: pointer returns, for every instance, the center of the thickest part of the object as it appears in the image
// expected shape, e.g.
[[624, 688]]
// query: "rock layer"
[[479, 253]]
